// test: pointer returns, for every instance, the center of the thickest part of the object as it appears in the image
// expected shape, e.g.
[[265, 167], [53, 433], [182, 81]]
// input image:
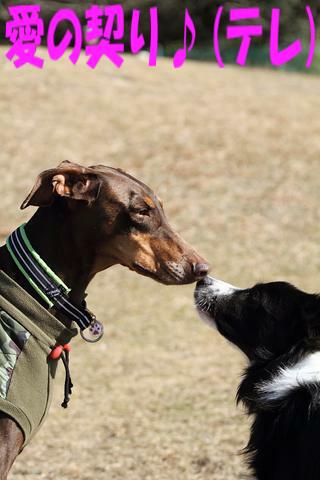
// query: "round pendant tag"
[[93, 333]]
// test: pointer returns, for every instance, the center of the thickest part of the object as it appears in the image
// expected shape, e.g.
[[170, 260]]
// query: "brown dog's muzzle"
[[167, 258]]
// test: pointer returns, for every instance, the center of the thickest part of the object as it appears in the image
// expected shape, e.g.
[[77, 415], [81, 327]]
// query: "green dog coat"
[[28, 333]]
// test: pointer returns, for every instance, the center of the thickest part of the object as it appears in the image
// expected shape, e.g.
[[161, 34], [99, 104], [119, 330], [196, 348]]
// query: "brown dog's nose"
[[200, 270]]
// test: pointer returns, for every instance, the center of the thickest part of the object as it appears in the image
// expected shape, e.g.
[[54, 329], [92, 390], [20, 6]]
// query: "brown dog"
[[90, 219]]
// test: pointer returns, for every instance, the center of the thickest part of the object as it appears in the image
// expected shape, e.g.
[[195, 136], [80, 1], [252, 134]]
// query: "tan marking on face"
[[129, 249], [153, 253], [166, 258], [149, 202], [142, 248], [145, 255]]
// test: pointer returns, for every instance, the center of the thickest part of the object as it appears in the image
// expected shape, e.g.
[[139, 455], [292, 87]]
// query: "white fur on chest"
[[304, 372]]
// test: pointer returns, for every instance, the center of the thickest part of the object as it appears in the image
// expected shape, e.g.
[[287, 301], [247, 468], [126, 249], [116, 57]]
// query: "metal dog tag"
[[93, 333]]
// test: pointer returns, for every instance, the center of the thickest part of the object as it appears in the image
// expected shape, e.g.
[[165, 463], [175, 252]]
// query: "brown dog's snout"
[[200, 270], [183, 263]]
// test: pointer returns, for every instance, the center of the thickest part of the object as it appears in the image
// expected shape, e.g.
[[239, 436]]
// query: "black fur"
[[275, 325]]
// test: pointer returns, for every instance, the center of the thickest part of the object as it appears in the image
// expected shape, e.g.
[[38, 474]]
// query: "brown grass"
[[235, 156]]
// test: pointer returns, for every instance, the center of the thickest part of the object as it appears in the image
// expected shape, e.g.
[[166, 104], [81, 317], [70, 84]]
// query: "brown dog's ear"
[[67, 180]]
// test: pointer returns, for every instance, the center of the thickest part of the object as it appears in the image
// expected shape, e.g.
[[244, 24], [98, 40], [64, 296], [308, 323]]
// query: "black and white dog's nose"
[[205, 282]]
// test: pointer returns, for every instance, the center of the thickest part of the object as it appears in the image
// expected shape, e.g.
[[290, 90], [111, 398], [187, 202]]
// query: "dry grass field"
[[235, 155]]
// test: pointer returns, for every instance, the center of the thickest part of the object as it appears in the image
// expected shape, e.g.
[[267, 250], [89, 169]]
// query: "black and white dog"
[[277, 326]]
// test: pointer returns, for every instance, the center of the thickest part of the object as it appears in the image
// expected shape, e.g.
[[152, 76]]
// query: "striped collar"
[[49, 286]]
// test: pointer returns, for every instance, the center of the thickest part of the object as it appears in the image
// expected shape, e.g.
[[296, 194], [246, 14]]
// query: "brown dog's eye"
[[140, 210], [143, 211]]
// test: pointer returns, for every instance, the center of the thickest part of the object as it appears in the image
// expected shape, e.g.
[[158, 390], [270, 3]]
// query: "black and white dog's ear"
[[311, 314]]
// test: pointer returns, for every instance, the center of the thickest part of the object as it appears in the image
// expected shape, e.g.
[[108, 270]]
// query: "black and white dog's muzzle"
[[207, 293]]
